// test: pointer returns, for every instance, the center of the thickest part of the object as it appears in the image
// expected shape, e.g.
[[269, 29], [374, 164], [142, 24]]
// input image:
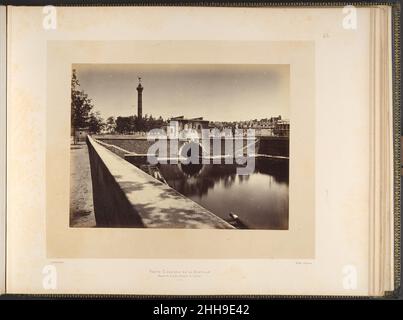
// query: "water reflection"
[[259, 199], [191, 169]]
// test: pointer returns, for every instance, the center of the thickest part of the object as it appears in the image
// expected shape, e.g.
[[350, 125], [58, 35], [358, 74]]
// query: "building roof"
[[177, 118], [182, 118]]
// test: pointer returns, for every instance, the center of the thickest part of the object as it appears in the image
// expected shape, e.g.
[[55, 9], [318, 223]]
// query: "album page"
[[189, 150]]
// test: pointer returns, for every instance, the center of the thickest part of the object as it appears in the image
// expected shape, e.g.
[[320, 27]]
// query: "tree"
[[125, 125], [149, 123], [110, 125], [95, 123], [81, 105], [82, 114]]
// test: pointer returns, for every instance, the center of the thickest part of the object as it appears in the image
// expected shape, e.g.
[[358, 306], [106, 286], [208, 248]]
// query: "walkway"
[[81, 203]]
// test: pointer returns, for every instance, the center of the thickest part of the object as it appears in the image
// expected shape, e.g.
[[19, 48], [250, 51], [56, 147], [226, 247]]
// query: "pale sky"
[[215, 92]]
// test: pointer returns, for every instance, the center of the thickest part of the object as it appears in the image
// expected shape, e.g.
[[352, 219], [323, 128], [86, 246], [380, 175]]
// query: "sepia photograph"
[[252, 153], [180, 146]]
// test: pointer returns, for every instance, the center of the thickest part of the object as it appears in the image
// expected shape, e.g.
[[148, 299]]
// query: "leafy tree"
[[82, 114], [125, 125], [95, 123], [81, 105], [111, 124], [138, 123], [149, 123]]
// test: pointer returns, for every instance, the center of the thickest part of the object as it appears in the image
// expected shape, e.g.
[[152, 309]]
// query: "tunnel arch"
[[191, 152]]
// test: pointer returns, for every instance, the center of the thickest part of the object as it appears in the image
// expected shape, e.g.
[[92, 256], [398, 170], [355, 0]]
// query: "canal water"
[[259, 199]]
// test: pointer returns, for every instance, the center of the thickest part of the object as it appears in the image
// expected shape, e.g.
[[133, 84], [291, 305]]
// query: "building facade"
[[186, 128]]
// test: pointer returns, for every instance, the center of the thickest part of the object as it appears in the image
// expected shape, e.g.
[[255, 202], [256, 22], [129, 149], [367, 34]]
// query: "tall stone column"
[[140, 100]]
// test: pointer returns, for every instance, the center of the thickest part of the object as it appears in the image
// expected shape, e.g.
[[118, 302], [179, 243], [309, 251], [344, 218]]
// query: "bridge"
[[125, 196], [137, 150]]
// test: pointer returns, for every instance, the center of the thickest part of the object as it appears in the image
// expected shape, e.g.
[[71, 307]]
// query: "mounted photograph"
[[197, 146], [254, 152]]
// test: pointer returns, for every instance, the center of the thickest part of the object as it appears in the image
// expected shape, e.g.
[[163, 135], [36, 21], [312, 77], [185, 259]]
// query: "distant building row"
[[274, 126]]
